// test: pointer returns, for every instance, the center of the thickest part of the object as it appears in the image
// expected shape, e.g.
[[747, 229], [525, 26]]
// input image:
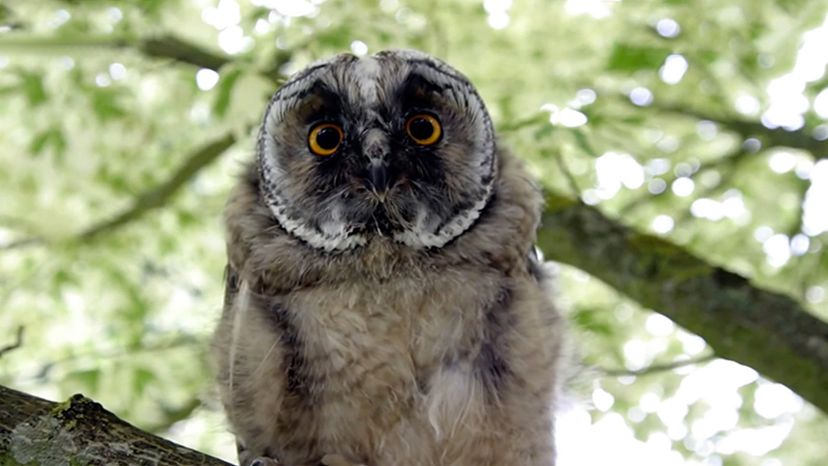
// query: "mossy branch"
[[768, 331], [34, 431]]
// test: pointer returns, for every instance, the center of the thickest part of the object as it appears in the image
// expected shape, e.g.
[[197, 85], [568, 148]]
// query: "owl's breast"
[[368, 359]]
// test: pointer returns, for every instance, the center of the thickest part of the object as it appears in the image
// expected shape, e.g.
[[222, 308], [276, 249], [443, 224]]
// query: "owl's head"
[[398, 145]]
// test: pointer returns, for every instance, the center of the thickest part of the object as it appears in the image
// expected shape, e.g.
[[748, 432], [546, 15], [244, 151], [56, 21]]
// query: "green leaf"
[[582, 143], [105, 103], [592, 320], [52, 137], [33, 88], [142, 377], [626, 57], [225, 91]]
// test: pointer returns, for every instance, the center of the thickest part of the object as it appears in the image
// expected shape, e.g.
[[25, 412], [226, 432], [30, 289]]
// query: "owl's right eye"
[[324, 139]]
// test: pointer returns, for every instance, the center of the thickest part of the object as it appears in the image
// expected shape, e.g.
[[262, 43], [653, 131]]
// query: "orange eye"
[[424, 129], [324, 139]]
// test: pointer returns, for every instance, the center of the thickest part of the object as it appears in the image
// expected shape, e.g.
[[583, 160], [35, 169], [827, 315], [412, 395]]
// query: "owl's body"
[[409, 334]]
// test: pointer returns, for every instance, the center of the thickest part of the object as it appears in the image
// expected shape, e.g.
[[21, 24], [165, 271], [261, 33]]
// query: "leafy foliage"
[[663, 113]]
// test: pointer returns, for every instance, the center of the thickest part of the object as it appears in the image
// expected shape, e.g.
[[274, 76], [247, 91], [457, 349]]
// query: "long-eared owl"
[[384, 306]]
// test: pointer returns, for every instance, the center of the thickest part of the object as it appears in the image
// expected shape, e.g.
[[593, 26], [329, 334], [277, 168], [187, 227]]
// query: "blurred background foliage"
[[125, 123]]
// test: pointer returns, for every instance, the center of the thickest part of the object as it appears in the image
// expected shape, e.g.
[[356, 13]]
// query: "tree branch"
[[164, 46], [172, 47], [159, 195], [777, 137], [655, 368], [80, 431], [18, 342], [161, 46], [765, 330], [151, 199], [22, 243]]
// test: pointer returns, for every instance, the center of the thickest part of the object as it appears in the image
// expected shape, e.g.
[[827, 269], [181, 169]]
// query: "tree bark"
[[79, 431], [767, 331]]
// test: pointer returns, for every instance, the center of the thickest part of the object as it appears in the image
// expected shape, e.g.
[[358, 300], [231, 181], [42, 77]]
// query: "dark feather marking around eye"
[[441, 70], [318, 103], [416, 81], [297, 371], [303, 75], [417, 93], [318, 99], [491, 364]]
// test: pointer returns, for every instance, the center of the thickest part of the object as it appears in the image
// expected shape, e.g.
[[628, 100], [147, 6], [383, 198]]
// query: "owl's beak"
[[378, 178]]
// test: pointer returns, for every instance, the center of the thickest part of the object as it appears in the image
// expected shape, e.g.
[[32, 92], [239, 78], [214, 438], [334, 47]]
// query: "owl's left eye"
[[424, 129], [324, 139]]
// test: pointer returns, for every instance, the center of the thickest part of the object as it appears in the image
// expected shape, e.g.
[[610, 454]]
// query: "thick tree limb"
[[34, 431], [765, 330]]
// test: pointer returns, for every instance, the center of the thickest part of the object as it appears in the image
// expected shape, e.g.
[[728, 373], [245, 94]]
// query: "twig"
[[776, 137], [18, 342], [570, 178], [654, 368], [22, 243], [536, 119], [728, 161], [180, 342], [173, 415]]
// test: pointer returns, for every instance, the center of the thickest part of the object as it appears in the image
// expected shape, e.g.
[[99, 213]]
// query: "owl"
[[383, 304]]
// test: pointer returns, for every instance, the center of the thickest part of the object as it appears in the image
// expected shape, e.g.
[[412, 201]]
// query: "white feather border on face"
[[331, 237], [328, 238], [419, 237]]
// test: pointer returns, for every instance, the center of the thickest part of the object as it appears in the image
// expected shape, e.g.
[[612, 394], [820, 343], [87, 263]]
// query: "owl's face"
[[398, 145]]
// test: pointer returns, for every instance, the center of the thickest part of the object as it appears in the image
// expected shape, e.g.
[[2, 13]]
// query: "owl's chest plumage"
[[360, 361]]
